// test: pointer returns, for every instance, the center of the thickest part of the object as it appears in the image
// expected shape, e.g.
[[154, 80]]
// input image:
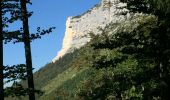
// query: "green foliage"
[[126, 63], [51, 70], [53, 78], [15, 72], [123, 66], [67, 89]]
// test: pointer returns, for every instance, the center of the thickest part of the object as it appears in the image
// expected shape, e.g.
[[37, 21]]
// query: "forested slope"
[[127, 61]]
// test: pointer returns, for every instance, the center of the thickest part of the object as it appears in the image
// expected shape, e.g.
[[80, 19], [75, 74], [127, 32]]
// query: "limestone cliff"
[[78, 27]]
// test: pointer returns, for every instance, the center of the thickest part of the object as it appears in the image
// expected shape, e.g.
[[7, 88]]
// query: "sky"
[[52, 13]]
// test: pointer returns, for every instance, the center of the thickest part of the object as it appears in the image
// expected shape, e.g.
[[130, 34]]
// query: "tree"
[[5, 6], [126, 63], [136, 57], [1, 56], [26, 38], [161, 9], [16, 11]]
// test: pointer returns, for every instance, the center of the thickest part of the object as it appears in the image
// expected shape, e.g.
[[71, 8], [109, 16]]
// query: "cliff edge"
[[79, 27]]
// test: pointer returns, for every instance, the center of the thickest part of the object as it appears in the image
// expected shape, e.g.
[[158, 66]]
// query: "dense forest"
[[127, 61]]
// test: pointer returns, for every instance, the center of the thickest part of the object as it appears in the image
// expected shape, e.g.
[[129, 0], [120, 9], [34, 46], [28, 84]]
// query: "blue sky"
[[46, 14]]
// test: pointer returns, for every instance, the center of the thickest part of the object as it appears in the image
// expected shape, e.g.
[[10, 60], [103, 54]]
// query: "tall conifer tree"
[[26, 39]]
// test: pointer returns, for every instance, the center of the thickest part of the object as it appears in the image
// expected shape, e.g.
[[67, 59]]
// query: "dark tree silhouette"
[[26, 37], [17, 10], [1, 56], [6, 6]]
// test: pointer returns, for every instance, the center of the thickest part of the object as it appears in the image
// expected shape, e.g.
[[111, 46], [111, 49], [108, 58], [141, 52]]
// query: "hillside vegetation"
[[115, 64], [60, 79], [127, 61]]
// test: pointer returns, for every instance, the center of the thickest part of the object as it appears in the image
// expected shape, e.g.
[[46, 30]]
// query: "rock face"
[[78, 27]]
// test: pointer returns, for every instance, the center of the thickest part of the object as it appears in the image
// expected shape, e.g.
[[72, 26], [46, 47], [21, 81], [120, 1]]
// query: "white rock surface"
[[78, 27]]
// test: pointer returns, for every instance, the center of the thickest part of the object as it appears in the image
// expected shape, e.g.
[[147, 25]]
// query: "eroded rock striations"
[[79, 27]]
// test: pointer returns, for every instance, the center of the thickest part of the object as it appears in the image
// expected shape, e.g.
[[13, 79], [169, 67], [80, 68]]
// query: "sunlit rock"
[[79, 27]]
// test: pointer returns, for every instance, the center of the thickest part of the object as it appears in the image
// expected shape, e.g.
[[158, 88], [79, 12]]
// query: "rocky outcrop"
[[67, 41], [79, 27]]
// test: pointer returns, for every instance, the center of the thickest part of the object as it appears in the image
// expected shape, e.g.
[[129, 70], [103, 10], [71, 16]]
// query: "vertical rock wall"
[[78, 27]]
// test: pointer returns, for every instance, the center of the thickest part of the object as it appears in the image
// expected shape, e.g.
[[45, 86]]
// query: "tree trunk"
[[1, 57], [27, 50]]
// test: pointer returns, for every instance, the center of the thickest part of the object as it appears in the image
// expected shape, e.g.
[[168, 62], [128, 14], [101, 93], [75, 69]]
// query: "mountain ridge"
[[79, 27]]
